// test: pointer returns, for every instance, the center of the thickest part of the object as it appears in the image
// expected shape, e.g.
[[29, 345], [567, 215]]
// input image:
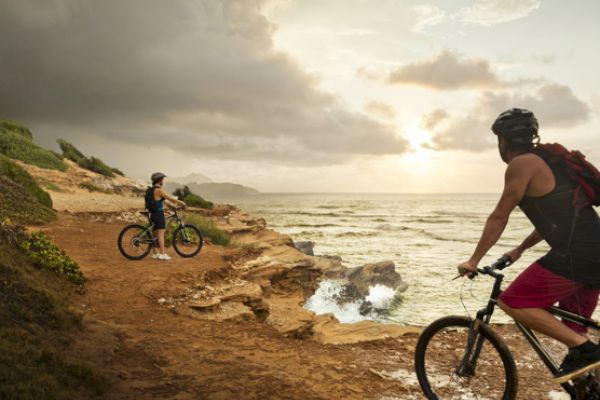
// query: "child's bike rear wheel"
[[135, 241], [450, 364], [187, 240]]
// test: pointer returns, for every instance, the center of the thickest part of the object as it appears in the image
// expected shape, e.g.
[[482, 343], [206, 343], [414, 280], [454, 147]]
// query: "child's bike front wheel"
[[187, 240]]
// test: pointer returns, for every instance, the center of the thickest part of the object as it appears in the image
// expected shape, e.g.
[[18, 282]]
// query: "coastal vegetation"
[[207, 227], [191, 199], [37, 279], [90, 187], [94, 164], [35, 321], [19, 175], [16, 142]]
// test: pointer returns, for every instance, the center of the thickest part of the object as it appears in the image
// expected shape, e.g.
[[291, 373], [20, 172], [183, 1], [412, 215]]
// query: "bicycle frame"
[[150, 227], [484, 316]]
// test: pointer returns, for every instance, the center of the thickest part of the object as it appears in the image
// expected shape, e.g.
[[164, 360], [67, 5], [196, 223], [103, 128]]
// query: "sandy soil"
[[149, 351]]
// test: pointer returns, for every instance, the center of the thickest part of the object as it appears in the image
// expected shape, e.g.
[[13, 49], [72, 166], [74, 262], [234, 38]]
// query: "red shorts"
[[536, 287]]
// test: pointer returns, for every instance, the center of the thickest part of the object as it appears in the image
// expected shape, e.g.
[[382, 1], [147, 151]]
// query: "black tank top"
[[573, 235]]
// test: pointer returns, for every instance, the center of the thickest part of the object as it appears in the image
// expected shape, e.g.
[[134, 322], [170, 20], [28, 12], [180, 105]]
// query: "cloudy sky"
[[302, 95]]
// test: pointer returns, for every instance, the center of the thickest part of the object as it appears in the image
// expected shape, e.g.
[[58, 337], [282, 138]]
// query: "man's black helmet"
[[516, 124], [157, 176]]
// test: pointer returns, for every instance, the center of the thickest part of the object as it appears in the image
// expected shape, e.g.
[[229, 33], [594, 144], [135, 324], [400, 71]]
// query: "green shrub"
[[92, 188], [7, 125], [45, 254], [117, 171], [96, 165], [18, 146], [69, 151], [207, 227], [193, 200], [90, 163], [18, 205], [13, 171], [35, 328]]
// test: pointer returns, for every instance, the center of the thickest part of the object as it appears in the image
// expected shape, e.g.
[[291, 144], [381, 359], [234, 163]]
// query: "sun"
[[417, 138]]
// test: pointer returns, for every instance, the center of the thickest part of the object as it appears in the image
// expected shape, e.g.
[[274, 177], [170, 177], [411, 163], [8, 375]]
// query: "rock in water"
[[306, 247], [362, 279], [381, 273]]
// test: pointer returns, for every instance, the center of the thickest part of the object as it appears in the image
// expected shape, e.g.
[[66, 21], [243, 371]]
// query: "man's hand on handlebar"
[[468, 268]]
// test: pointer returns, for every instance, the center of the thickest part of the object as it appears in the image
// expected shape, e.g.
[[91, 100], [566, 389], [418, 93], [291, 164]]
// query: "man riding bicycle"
[[570, 272]]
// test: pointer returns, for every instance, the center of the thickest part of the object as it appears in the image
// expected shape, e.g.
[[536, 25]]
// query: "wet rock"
[[381, 273], [305, 247]]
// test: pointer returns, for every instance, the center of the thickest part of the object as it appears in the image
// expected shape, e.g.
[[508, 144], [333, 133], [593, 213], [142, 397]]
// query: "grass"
[[7, 125], [35, 327], [92, 188], [207, 227], [15, 142], [19, 206], [51, 186], [93, 164], [117, 171], [191, 199], [70, 152], [17, 174]]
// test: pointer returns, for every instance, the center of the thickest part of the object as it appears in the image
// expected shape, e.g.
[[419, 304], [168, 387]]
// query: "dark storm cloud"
[[199, 75], [555, 106]]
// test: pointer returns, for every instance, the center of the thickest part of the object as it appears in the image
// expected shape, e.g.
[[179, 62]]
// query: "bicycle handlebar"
[[499, 265]]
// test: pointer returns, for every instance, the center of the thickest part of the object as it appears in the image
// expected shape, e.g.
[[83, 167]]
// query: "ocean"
[[425, 235]]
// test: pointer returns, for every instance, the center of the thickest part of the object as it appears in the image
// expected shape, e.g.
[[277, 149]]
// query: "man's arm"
[[516, 180], [530, 241]]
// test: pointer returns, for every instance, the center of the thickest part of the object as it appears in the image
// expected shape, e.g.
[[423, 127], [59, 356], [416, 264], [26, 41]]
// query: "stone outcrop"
[[305, 247], [273, 284], [381, 273]]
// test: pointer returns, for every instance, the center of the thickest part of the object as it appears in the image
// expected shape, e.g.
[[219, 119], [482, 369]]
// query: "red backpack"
[[581, 172]]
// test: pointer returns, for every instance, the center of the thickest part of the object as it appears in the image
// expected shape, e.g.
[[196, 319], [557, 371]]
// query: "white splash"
[[381, 296], [324, 302]]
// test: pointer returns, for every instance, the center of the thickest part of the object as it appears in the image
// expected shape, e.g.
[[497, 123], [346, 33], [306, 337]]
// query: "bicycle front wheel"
[[135, 242], [454, 362], [187, 240]]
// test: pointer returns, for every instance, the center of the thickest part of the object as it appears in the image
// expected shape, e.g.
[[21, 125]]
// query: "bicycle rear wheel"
[[187, 240], [135, 242], [443, 372]]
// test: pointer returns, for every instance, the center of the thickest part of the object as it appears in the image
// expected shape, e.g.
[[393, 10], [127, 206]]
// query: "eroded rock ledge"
[[269, 280]]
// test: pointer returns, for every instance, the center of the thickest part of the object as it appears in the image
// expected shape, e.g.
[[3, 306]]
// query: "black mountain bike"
[[462, 358], [135, 241]]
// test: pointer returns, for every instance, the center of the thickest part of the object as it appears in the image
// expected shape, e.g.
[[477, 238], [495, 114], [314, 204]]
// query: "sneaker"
[[164, 256], [156, 256], [577, 363]]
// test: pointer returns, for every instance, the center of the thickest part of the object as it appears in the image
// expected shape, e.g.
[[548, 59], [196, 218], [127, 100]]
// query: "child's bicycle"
[[462, 358], [135, 241]]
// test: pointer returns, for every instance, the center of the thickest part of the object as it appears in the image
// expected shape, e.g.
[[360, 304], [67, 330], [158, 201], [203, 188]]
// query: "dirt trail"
[[149, 351]]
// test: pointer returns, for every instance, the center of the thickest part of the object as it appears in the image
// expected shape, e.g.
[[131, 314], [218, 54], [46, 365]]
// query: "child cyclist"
[[155, 199]]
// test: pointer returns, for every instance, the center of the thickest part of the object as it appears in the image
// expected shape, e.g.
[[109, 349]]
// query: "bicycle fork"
[[475, 340]]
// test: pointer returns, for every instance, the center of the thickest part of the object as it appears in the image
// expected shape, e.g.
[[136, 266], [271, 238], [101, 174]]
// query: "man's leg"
[[536, 289], [542, 321]]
